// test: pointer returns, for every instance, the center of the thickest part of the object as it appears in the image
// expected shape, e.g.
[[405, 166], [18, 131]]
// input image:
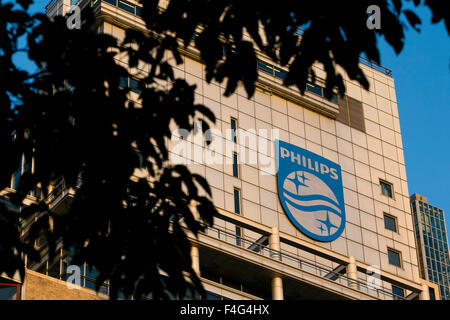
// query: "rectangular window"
[[432, 294], [386, 189], [135, 86], [390, 222], [398, 292], [265, 67], [237, 202], [233, 129], [123, 82], [9, 291], [138, 11], [126, 6], [235, 165], [113, 2], [394, 258], [314, 89], [238, 235], [280, 74]]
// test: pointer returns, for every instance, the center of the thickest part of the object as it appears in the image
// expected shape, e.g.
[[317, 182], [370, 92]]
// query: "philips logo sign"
[[311, 192]]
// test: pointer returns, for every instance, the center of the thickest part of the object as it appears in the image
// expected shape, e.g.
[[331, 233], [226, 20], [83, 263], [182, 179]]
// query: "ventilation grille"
[[351, 113]]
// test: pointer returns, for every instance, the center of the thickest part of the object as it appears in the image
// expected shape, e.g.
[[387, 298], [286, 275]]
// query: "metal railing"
[[373, 65], [301, 264], [364, 61], [58, 192]]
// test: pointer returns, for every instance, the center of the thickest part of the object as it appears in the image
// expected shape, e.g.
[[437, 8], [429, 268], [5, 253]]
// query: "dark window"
[[398, 292], [139, 11], [334, 98], [9, 291], [314, 89], [237, 201], [233, 130], [135, 86], [394, 258], [390, 223], [126, 6], [238, 235], [280, 74], [113, 2], [123, 82], [386, 188], [235, 165], [265, 67], [212, 296]]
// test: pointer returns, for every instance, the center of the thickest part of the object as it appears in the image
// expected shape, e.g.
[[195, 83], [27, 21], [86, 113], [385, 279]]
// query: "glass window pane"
[[135, 86], [264, 67], [123, 82], [138, 11], [386, 189], [8, 292], [113, 2], [212, 296], [394, 258], [432, 294], [126, 6], [233, 130], [235, 165], [236, 202], [389, 223], [399, 292], [280, 74], [238, 235], [314, 89]]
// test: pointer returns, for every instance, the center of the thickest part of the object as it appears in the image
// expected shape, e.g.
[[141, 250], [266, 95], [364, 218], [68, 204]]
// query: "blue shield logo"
[[311, 192]]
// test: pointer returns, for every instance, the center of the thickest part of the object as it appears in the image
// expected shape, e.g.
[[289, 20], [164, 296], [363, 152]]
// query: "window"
[[233, 129], [386, 189], [390, 222], [394, 258], [9, 291], [314, 89], [237, 204], [126, 6], [133, 84], [235, 165], [238, 235], [398, 292], [212, 296]]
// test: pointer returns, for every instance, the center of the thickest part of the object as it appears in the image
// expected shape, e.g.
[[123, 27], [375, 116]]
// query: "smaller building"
[[432, 244]]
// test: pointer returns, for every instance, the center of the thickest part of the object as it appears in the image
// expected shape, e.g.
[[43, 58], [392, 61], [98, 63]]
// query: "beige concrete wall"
[[41, 287]]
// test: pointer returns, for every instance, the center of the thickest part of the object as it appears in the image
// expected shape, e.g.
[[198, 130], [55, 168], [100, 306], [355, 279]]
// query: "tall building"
[[312, 193], [432, 243]]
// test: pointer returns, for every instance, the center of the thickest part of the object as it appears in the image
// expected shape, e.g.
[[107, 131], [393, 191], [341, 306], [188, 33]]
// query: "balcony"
[[251, 264], [60, 198]]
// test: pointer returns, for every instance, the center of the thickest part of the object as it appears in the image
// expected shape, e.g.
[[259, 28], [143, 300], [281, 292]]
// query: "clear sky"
[[422, 78]]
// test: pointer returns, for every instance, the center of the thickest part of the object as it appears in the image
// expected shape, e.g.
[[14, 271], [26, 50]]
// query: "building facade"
[[432, 243], [277, 157]]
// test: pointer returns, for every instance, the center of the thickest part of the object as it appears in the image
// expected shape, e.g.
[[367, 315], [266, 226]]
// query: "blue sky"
[[422, 78]]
